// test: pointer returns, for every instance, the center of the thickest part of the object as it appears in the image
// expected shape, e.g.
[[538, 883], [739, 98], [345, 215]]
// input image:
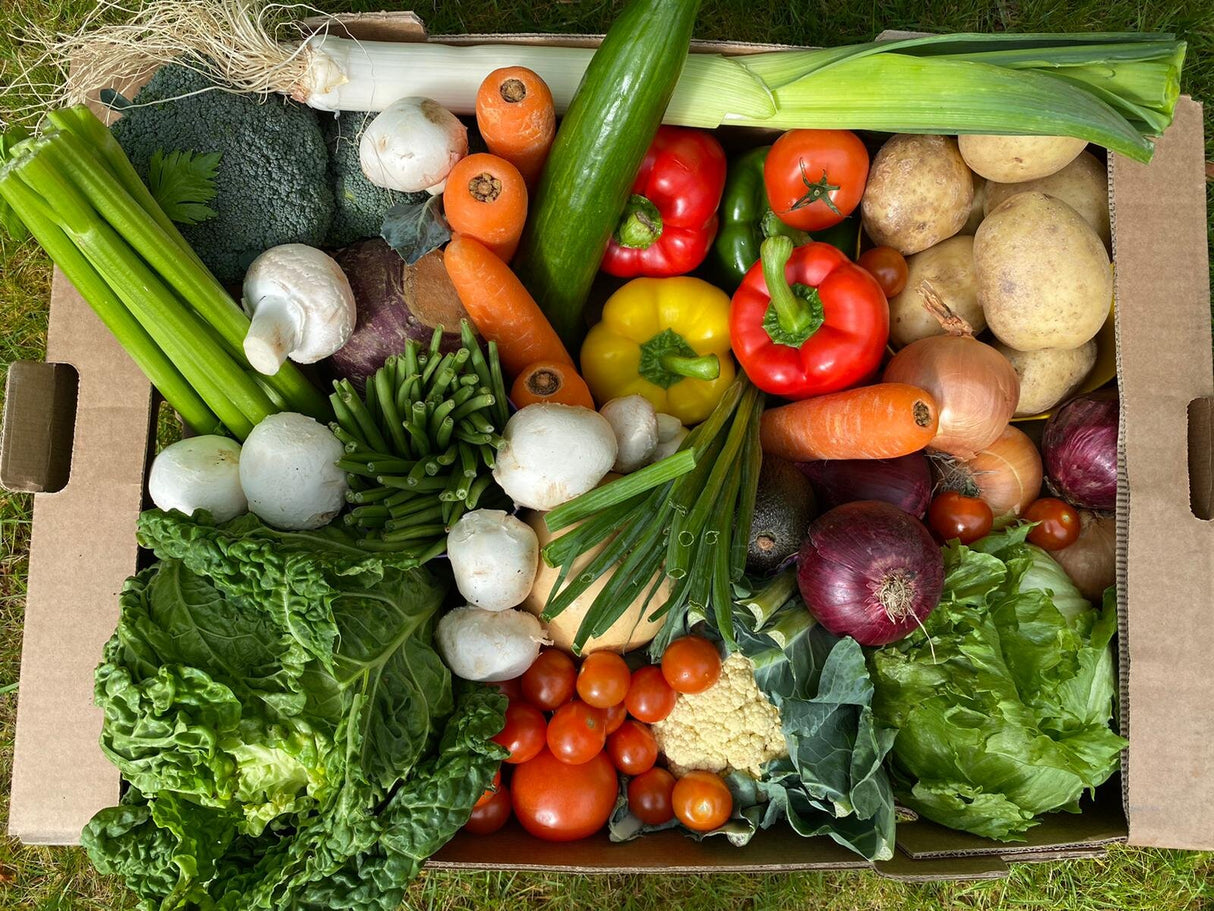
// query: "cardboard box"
[[90, 396]]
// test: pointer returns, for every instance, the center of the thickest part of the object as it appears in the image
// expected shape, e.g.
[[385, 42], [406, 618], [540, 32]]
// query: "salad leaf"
[[1003, 702]]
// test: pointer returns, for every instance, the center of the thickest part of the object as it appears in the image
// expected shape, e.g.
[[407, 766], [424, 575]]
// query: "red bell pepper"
[[807, 321], [671, 217]]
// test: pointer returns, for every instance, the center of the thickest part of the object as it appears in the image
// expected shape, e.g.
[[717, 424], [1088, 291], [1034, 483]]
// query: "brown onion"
[[975, 387], [1007, 474], [1091, 561]]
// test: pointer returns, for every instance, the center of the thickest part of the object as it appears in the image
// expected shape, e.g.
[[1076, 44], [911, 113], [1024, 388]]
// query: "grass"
[[61, 879]]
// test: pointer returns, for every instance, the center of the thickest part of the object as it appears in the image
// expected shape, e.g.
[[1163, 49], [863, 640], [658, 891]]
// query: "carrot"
[[550, 381], [501, 308], [517, 119], [882, 421], [485, 198]]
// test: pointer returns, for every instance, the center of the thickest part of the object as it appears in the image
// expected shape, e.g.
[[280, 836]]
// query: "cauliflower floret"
[[729, 727]]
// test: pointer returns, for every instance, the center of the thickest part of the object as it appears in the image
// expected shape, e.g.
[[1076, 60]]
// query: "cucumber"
[[611, 121]]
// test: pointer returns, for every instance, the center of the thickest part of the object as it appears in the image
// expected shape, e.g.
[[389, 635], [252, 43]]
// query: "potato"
[[919, 192], [1049, 375], [630, 631], [1083, 185], [1012, 159], [1043, 274], [949, 267]]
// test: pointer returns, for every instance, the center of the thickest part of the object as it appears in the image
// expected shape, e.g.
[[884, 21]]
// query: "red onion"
[[905, 482], [870, 571], [1080, 449]]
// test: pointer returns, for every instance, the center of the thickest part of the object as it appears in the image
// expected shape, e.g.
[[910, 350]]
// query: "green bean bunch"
[[421, 442]]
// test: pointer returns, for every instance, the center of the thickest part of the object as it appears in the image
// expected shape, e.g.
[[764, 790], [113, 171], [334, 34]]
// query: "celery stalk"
[[133, 337]]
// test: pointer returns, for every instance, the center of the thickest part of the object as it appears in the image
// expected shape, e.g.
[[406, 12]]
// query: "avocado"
[[784, 507]]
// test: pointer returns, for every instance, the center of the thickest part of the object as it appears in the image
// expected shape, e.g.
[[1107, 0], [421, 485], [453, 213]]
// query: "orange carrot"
[[882, 421], [550, 381], [486, 199], [517, 119], [501, 308]]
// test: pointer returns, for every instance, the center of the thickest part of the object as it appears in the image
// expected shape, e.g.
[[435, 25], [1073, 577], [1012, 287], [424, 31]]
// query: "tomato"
[[577, 732], [887, 266], [491, 815], [511, 689], [954, 515], [1059, 523], [615, 717], [650, 698], [490, 791], [549, 682], [525, 732], [815, 178], [633, 748], [691, 664], [603, 679], [649, 797], [702, 801], [560, 802]]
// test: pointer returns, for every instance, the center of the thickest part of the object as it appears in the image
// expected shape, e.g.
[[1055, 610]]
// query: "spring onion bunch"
[[1116, 89], [80, 198]]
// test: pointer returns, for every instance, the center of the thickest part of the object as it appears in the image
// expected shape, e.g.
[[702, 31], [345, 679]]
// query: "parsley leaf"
[[183, 183]]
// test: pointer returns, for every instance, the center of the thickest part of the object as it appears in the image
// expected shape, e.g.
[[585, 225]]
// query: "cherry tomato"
[[702, 801], [490, 791], [525, 732], [633, 748], [650, 698], [615, 717], [491, 815], [512, 689], [954, 515], [577, 732], [603, 679], [887, 266], [560, 802], [815, 178], [1059, 523], [548, 683], [691, 664], [649, 796]]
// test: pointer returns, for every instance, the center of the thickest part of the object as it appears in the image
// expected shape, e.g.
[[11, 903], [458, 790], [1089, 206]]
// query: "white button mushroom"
[[199, 473], [552, 453], [302, 307], [288, 469], [635, 424], [488, 646], [494, 557], [412, 145], [671, 434]]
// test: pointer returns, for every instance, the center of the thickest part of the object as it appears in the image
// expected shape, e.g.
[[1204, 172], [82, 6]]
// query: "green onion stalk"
[[75, 191]]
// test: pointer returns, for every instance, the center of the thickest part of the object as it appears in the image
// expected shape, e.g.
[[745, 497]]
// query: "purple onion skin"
[[905, 482], [859, 552], [1079, 447], [385, 320]]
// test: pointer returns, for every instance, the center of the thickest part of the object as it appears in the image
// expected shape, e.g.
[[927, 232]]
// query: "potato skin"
[[1049, 375], [1012, 159], [919, 192], [949, 267], [1043, 274], [1083, 185]]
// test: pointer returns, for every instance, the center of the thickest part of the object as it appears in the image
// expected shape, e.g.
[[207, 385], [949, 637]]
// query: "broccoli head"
[[360, 205], [273, 185]]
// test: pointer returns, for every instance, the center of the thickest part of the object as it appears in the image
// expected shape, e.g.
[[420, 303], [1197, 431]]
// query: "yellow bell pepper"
[[666, 339]]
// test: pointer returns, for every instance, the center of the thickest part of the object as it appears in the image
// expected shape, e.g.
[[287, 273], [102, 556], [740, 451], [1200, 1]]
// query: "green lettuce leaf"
[[1003, 702]]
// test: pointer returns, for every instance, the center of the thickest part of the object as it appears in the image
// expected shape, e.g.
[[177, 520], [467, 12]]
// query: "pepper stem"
[[641, 224], [704, 367], [795, 312]]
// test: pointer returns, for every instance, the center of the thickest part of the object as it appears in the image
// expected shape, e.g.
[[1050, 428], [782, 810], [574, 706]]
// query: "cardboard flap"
[[1164, 365], [39, 416], [978, 867]]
